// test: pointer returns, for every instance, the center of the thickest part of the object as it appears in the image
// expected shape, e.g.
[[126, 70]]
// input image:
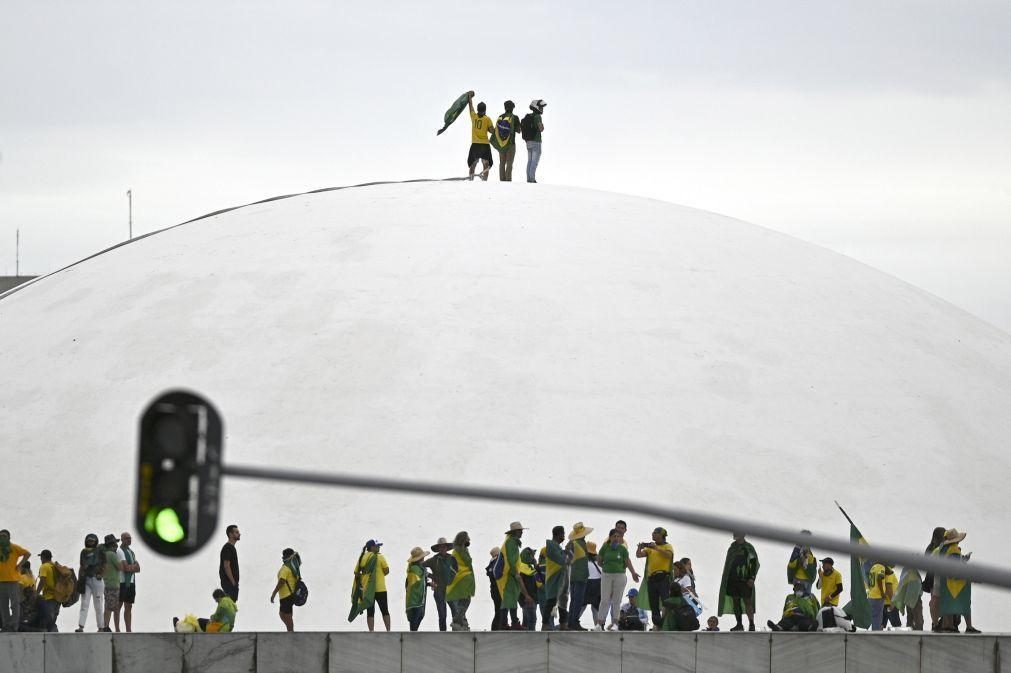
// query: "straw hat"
[[417, 554], [515, 525], [591, 548], [952, 535], [579, 531], [441, 545]]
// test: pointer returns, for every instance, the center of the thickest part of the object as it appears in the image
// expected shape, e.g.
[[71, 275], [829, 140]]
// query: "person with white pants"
[[92, 568], [614, 561]]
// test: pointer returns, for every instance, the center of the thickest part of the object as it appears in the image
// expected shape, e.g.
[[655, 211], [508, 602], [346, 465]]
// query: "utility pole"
[[129, 197], [17, 252]]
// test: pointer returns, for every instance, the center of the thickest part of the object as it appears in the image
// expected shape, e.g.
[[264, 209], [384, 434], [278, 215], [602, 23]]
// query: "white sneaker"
[[598, 627]]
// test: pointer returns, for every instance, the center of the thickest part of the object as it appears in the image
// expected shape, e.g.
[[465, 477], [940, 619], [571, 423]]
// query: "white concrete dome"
[[499, 334]]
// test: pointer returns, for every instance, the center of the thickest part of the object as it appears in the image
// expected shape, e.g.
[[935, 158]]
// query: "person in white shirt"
[[633, 618]]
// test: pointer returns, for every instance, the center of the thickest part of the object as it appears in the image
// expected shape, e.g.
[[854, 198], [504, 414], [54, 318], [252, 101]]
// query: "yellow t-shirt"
[[47, 573], [893, 582], [288, 586], [26, 580], [9, 568], [479, 127], [876, 573], [381, 565], [828, 587], [657, 562]]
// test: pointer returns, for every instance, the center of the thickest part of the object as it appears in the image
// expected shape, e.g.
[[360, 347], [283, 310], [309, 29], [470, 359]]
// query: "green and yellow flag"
[[462, 585], [363, 593], [453, 112], [956, 594], [859, 609], [508, 585]]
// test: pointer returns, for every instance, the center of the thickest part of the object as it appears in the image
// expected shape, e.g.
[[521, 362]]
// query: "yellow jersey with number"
[[480, 127]]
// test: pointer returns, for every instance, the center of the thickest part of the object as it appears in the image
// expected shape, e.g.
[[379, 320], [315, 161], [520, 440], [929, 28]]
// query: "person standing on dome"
[[509, 577], [111, 580], [480, 147], [443, 568], [532, 127], [415, 588], [462, 589], [497, 623], [955, 593], [507, 126], [11, 557], [288, 578], [737, 589], [228, 563], [552, 557], [615, 562], [830, 582], [659, 555], [370, 585], [579, 573], [803, 566], [91, 572]]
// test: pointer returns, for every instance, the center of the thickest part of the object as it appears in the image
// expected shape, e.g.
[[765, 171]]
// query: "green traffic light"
[[167, 526]]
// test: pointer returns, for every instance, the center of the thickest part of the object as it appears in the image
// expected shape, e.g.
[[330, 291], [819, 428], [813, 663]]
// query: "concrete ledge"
[[506, 652]]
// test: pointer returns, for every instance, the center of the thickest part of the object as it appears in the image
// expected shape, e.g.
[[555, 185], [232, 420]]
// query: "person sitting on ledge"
[[800, 610], [222, 621]]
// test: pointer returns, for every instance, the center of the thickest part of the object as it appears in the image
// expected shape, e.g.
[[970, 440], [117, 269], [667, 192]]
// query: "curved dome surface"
[[547, 338]]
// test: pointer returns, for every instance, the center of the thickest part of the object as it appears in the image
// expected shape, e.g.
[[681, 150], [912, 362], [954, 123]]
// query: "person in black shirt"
[[228, 568]]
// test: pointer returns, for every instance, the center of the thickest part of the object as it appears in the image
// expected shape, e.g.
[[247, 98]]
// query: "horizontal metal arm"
[[981, 574]]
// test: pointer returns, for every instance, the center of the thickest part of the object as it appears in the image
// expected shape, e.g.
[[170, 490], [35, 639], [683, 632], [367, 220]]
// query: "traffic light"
[[178, 473]]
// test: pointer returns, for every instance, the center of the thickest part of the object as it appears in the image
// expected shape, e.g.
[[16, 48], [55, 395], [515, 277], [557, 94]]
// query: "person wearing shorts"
[[287, 579], [480, 146], [111, 579], [128, 567], [371, 557]]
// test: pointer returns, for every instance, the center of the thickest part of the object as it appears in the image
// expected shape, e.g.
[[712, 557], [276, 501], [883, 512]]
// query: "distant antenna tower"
[[129, 198], [17, 253]]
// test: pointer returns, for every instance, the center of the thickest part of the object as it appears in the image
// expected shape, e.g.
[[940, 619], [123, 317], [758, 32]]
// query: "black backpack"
[[685, 617], [529, 126]]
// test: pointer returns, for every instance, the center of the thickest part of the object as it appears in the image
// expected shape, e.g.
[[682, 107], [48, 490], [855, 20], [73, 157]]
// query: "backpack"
[[685, 617], [498, 569], [91, 562], [301, 593], [529, 126], [504, 128], [66, 585]]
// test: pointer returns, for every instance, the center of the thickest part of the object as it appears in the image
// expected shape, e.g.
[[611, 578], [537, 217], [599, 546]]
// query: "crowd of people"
[[555, 585]]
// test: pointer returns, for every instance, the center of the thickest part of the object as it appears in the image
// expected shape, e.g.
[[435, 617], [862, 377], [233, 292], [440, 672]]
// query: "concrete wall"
[[503, 653], [7, 282]]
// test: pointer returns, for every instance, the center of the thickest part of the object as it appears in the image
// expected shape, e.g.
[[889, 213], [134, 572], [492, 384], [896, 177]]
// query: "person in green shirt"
[[533, 127], [800, 611], [462, 588], [110, 576], [222, 621], [443, 568], [614, 561]]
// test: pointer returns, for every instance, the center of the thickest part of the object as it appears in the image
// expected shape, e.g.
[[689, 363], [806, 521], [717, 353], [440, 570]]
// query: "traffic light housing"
[[178, 473]]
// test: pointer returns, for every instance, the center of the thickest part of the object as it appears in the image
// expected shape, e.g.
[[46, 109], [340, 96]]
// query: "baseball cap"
[[373, 543], [633, 592], [828, 559], [110, 538], [45, 553]]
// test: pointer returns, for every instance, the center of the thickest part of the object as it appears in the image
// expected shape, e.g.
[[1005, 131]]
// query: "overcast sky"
[[881, 129]]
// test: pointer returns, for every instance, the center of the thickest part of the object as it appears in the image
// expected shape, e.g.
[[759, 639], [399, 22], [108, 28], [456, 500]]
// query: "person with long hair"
[[936, 538]]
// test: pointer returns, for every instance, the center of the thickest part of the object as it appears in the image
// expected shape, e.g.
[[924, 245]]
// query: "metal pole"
[[129, 197], [975, 572], [17, 253]]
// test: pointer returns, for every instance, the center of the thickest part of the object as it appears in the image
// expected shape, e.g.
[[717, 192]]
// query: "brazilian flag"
[[956, 594], [453, 112], [363, 593], [508, 585], [859, 608]]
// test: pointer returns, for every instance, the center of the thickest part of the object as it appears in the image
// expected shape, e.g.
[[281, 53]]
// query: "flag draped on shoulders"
[[956, 594], [453, 112], [553, 560], [363, 593], [910, 589], [414, 586], [740, 565], [508, 585], [859, 608], [462, 585]]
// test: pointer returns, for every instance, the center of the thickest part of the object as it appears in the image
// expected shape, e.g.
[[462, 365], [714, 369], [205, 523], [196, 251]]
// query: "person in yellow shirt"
[[890, 614], [659, 555], [480, 147], [288, 578], [876, 591], [11, 558], [371, 573], [49, 607], [830, 582]]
